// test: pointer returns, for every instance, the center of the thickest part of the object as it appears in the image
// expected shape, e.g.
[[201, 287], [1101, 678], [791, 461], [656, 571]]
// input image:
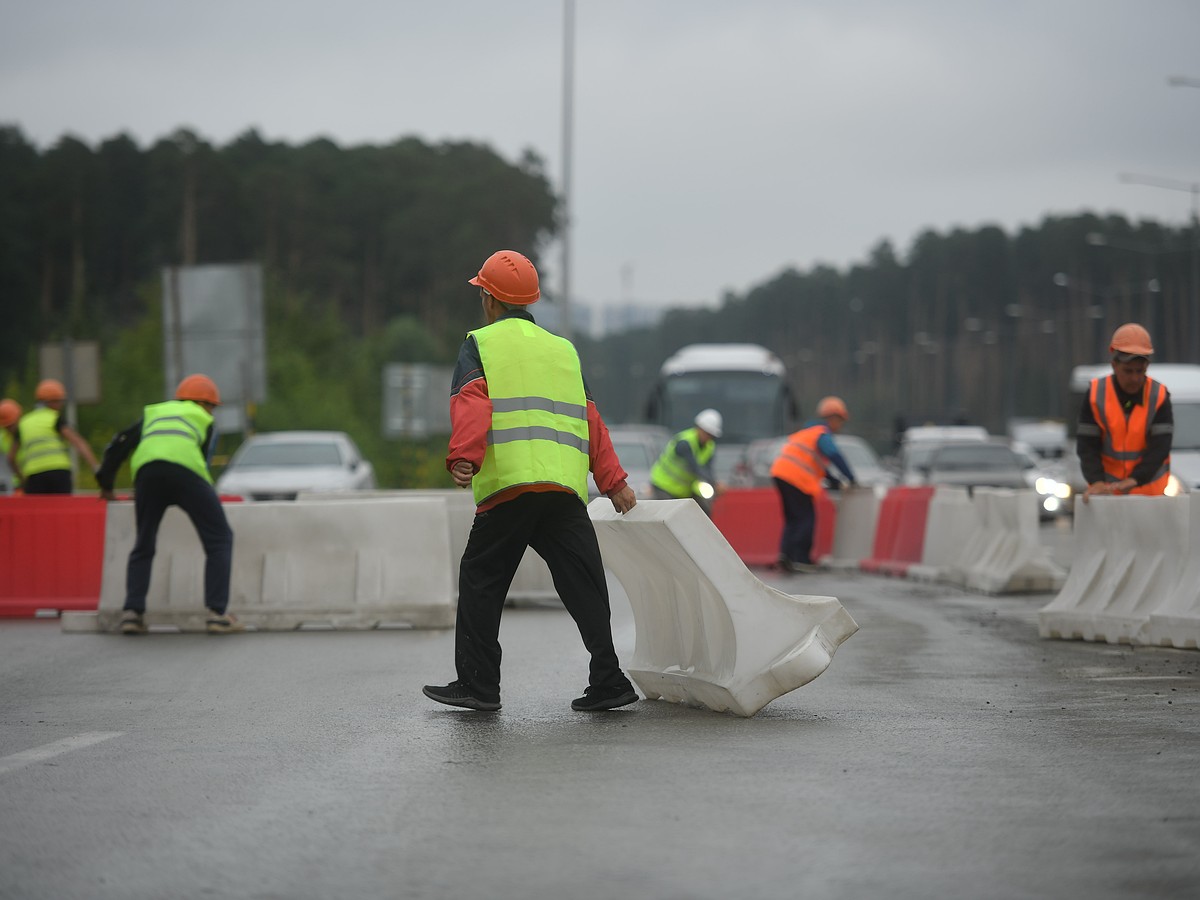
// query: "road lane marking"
[[48, 751], [1142, 678]]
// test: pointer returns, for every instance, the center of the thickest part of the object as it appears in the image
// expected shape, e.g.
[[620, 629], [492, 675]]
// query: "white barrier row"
[[1136, 577], [334, 564], [707, 632], [857, 518]]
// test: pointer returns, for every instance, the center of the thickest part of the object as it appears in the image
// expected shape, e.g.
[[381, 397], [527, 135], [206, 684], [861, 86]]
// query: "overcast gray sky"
[[717, 142]]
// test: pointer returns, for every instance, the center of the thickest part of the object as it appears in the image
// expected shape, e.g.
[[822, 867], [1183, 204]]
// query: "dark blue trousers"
[[799, 522], [157, 486], [556, 525]]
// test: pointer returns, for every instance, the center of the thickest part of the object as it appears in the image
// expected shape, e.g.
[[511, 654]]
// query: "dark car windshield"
[[314, 453], [974, 456]]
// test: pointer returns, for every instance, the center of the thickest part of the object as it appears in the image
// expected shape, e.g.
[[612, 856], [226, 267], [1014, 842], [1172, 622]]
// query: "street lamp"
[[1193, 188]]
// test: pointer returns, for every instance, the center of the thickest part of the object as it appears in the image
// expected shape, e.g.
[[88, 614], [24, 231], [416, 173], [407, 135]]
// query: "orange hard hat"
[[1131, 339], [509, 277], [833, 406], [10, 411], [50, 389], [200, 388]]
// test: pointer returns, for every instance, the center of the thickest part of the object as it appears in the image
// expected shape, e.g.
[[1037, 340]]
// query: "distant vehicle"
[[975, 464], [919, 444], [1183, 381], [1047, 439], [638, 447], [279, 465], [753, 469], [746, 383], [1046, 477]]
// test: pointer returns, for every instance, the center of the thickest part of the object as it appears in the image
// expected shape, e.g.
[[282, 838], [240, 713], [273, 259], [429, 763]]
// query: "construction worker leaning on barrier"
[[171, 445], [39, 456], [1126, 424], [799, 473], [685, 467], [10, 414]]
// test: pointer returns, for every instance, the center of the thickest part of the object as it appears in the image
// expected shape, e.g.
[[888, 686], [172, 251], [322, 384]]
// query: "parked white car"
[[279, 465]]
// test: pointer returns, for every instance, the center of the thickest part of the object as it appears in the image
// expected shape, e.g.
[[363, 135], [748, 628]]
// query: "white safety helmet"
[[709, 420]]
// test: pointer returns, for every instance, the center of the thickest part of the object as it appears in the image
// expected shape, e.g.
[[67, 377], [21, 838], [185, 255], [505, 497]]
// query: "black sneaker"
[[222, 623], [132, 622], [456, 694], [597, 699]]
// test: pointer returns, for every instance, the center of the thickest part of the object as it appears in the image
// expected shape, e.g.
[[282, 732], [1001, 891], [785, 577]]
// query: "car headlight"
[[1062, 490], [1175, 487]]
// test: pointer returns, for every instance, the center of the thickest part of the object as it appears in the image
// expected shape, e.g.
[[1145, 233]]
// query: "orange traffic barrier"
[[900, 532], [51, 553], [751, 519]]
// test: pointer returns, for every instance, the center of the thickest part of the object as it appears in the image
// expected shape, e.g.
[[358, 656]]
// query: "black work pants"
[[556, 525], [55, 481], [799, 522], [157, 486]]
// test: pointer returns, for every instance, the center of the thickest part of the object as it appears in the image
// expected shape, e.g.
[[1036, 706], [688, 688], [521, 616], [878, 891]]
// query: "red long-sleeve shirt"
[[471, 417]]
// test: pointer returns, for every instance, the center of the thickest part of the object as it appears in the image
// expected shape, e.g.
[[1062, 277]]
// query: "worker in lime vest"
[[1126, 425], [525, 433], [40, 456], [685, 467], [171, 447], [799, 473], [10, 414]]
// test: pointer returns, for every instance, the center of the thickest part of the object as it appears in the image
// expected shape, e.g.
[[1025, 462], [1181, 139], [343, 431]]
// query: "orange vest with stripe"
[[1123, 437], [800, 463]]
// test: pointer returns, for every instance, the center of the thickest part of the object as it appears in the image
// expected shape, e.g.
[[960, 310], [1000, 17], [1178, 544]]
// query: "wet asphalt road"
[[947, 752]]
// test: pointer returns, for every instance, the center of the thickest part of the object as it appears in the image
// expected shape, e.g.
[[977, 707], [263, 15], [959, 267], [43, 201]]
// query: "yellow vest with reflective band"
[[539, 430], [174, 432], [42, 447], [670, 475], [1123, 438]]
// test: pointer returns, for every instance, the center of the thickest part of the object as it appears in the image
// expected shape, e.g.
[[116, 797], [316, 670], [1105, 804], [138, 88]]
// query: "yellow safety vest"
[[669, 475], [539, 429], [174, 432], [42, 447]]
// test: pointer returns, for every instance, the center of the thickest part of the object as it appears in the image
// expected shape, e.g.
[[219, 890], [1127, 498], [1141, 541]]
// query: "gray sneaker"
[[222, 623], [132, 622]]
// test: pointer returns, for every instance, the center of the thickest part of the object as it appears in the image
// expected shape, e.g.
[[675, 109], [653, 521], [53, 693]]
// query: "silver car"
[[638, 448], [279, 465]]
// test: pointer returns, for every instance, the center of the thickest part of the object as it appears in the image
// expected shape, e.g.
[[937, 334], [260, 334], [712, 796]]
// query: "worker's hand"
[[462, 472], [1096, 489], [624, 500], [107, 494], [1124, 486]]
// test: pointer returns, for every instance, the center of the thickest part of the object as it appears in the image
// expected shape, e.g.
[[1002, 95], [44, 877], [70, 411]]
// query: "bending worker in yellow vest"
[[799, 473], [1126, 425], [524, 435], [39, 456], [685, 467], [171, 445]]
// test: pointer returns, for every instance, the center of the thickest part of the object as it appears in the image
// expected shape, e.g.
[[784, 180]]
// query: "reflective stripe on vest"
[[800, 463], [671, 475], [174, 432], [539, 429], [42, 447], [1123, 437]]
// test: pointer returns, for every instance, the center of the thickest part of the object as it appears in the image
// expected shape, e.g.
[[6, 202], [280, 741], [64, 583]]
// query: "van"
[[919, 442]]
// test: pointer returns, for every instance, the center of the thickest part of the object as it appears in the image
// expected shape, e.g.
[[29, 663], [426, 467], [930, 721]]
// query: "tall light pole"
[[1192, 187], [567, 127]]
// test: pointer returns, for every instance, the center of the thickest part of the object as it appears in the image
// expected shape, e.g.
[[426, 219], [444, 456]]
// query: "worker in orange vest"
[[1126, 424], [799, 473]]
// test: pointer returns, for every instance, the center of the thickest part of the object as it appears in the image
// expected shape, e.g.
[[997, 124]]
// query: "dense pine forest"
[[364, 250]]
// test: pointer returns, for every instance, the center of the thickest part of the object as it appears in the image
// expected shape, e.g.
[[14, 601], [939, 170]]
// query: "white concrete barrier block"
[[953, 531], [1130, 553], [345, 564], [854, 533], [1177, 622], [1008, 555], [707, 631]]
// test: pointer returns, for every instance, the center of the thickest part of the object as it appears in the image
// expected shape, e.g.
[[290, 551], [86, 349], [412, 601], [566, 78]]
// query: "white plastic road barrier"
[[532, 581], [1004, 554], [1177, 622], [334, 564], [1130, 553], [951, 526], [707, 632], [854, 533]]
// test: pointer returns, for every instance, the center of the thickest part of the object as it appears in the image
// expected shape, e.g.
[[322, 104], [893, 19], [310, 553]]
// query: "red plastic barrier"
[[900, 533], [51, 553], [751, 519]]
